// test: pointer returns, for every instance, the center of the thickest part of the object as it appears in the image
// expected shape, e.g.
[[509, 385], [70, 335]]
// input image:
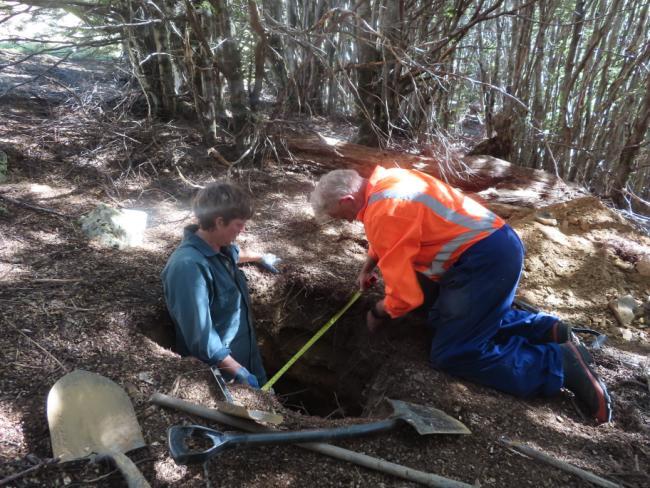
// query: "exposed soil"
[[68, 303]]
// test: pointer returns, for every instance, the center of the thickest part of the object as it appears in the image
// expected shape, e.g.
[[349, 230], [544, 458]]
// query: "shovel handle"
[[181, 453], [221, 383], [335, 452], [130, 471], [178, 436], [314, 435]]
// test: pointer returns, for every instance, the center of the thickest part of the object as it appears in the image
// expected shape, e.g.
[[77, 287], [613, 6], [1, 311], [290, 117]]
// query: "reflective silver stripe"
[[475, 227], [448, 249]]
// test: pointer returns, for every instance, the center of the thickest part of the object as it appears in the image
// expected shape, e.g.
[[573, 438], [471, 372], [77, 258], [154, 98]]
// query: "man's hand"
[[244, 377], [367, 276], [376, 316], [268, 262], [366, 280]]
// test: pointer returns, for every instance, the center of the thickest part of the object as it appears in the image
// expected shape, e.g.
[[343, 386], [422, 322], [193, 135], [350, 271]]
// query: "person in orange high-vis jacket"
[[443, 253]]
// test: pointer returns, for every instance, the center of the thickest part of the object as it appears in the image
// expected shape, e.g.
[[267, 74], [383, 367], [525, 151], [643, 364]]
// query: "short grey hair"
[[332, 187]]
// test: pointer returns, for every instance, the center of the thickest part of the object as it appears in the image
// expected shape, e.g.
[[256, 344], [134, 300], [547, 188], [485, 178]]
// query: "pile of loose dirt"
[[575, 268]]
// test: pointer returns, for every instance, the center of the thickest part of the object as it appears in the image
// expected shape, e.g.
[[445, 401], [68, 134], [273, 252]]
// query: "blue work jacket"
[[207, 297]]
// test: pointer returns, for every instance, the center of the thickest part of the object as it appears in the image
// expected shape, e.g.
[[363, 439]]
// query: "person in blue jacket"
[[206, 293]]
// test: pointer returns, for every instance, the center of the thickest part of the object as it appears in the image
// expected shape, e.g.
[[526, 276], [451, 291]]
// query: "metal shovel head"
[[242, 412], [427, 420], [231, 408], [89, 414]]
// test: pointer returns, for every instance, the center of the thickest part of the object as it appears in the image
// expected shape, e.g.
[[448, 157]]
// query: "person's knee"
[[446, 359]]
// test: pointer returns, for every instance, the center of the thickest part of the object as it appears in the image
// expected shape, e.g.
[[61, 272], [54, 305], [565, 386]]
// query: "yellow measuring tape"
[[311, 341]]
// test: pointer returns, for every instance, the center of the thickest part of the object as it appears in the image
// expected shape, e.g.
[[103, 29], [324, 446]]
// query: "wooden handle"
[[369, 462], [130, 471]]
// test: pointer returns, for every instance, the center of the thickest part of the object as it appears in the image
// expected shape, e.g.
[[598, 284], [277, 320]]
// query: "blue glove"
[[268, 262], [244, 377]]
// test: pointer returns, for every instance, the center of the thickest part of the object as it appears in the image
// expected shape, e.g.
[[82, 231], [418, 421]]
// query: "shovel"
[[425, 420], [92, 417], [231, 408]]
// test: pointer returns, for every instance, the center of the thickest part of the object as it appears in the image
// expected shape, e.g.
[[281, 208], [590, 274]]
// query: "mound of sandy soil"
[[575, 268]]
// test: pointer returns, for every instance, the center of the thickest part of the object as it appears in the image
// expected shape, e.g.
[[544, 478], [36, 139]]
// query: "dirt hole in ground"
[[160, 328], [328, 381], [318, 401]]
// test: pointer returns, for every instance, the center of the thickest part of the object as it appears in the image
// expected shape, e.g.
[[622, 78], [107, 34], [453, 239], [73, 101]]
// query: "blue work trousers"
[[479, 336]]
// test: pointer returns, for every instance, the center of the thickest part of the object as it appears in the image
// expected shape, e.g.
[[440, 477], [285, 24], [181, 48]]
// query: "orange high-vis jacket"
[[416, 223]]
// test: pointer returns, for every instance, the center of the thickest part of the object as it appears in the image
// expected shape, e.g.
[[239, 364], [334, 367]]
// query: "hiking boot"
[[584, 382], [560, 333]]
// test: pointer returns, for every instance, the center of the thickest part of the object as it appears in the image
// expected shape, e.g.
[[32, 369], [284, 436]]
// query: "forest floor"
[[69, 303]]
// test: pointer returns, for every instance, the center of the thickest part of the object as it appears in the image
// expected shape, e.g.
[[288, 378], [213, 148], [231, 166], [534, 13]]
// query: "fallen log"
[[491, 178]]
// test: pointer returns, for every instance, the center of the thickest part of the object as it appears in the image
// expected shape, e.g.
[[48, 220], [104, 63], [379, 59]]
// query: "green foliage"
[[205, 5], [450, 13]]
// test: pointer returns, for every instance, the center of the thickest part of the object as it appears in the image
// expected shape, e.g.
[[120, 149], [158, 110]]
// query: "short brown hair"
[[223, 200]]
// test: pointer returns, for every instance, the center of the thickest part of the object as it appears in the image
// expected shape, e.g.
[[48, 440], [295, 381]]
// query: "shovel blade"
[[90, 414], [427, 420], [243, 412]]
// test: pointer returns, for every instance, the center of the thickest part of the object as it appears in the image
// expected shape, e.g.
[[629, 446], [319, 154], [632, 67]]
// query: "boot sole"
[[604, 412]]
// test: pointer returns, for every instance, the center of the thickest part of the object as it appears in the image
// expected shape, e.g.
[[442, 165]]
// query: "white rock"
[[626, 334], [146, 377], [545, 218], [555, 235], [116, 228], [624, 265], [623, 309]]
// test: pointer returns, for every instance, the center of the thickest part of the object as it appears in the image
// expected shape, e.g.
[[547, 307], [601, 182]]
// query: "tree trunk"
[[565, 131], [631, 148], [206, 96], [229, 63], [546, 14], [260, 53], [165, 68], [369, 134], [276, 51]]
